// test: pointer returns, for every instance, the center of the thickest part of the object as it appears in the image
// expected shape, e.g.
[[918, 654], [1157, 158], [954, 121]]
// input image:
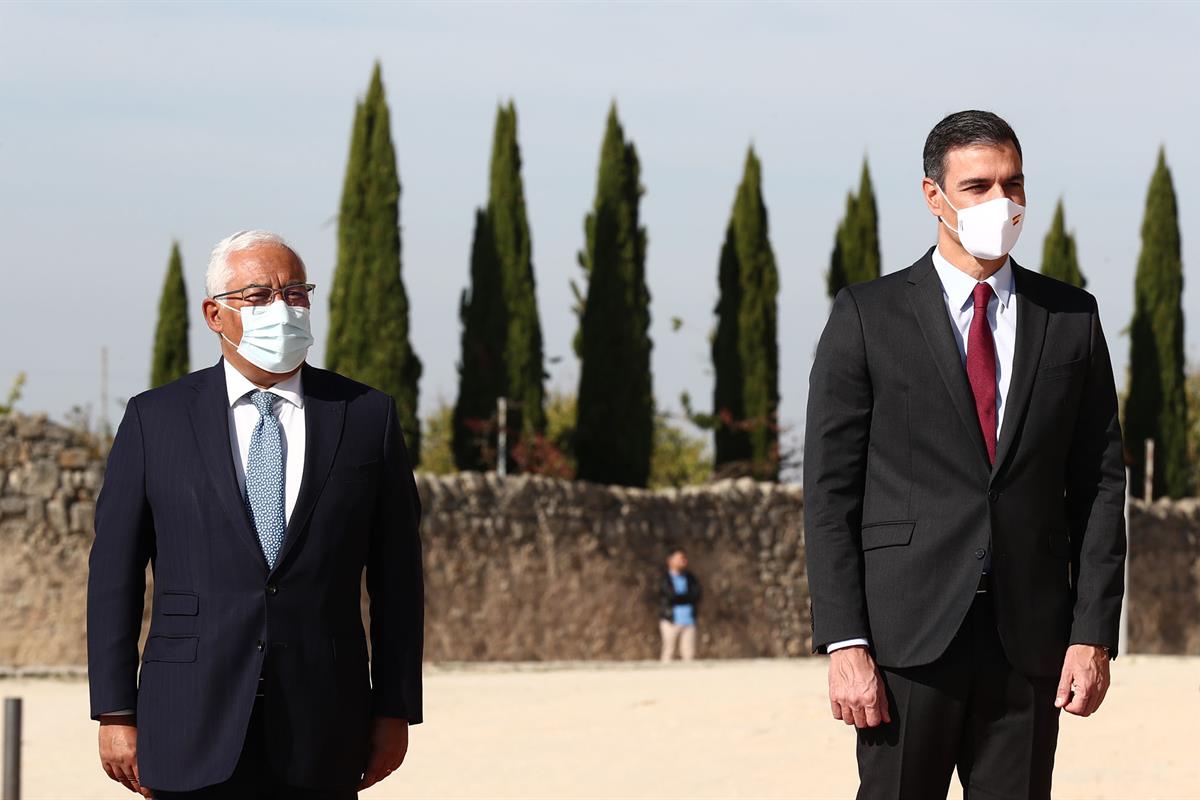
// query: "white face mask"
[[989, 230], [275, 338]]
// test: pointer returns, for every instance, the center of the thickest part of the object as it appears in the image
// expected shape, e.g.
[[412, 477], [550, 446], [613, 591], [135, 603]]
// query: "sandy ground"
[[745, 729]]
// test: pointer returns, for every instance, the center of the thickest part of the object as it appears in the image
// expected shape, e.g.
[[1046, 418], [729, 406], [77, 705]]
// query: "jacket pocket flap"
[[887, 534], [1055, 370], [179, 603], [170, 648], [357, 472]]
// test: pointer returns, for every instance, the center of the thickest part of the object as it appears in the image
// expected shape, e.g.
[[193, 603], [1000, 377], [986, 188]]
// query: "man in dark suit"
[[964, 490], [259, 489]]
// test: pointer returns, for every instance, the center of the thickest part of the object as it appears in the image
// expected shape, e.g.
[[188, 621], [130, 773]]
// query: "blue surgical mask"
[[275, 338]]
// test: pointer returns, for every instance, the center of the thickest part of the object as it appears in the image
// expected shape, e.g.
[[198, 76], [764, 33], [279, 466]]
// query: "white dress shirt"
[[958, 290], [243, 416]]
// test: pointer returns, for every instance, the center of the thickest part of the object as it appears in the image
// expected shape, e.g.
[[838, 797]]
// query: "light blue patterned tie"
[[264, 477]]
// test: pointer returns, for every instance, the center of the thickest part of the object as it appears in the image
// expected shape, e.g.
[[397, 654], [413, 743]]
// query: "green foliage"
[[437, 457], [680, 458], [502, 334], [523, 338], [14, 394], [561, 410], [1192, 387], [1058, 252], [1157, 404], [481, 374], [170, 359], [732, 445], [614, 436], [745, 349], [368, 306], [856, 245]]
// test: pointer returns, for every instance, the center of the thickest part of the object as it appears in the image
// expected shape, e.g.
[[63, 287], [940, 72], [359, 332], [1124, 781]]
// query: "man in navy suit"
[[259, 489]]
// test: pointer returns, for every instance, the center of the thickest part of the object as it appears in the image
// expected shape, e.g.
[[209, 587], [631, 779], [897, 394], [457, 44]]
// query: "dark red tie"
[[981, 368]]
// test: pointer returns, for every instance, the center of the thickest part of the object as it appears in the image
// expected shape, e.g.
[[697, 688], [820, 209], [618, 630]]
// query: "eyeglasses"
[[296, 294]]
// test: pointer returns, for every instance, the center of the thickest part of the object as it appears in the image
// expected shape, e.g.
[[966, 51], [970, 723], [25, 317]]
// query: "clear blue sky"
[[124, 126]]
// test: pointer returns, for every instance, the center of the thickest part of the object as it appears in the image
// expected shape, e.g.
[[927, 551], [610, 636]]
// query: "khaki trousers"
[[685, 635]]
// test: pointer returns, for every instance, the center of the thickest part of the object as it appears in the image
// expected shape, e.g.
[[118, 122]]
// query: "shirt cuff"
[[846, 643], [123, 712]]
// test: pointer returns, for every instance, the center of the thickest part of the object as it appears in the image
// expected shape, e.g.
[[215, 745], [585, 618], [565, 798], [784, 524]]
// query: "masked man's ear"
[[933, 197], [212, 316]]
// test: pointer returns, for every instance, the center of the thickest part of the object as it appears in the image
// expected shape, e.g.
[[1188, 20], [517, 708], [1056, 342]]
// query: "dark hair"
[[964, 129], [673, 550]]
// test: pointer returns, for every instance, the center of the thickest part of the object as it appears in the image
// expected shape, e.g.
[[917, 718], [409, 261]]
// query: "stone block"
[[93, 477], [31, 427], [82, 514], [40, 479], [74, 457], [56, 514], [35, 510], [12, 506]]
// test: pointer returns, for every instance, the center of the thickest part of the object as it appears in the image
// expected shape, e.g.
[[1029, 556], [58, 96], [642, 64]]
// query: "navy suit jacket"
[[171, 498]]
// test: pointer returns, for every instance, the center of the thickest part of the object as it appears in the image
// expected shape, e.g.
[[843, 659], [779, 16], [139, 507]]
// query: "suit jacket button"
[[993, 495], [272, 589], [261, 644], [980, 553]]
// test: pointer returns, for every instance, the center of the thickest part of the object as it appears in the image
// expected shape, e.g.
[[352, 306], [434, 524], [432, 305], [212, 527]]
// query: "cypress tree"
[[514, 250], [170, 360], [745, 349], [855, 257], [368, 306], [1157, 404], [757, 319], [1058, 252], [502, 334], [731, 444], [481, 372], [614, 433]]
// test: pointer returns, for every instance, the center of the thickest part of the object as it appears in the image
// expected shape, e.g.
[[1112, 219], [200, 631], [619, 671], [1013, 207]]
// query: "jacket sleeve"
[[837, 429], [395, 583], [116, 588], [1095, 499]]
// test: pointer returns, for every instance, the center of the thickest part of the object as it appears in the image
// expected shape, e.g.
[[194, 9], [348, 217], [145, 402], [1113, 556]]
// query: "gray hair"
[[219, 274]]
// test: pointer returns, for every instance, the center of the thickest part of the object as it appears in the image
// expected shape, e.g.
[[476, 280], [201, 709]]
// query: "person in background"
[[680, 600]]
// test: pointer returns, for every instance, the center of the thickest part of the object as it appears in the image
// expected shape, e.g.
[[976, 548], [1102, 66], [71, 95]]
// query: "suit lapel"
[[209, 414], [925, 295], [1027, 353], [323, 418]]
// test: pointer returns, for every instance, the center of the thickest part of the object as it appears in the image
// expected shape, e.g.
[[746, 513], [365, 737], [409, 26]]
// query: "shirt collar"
[[238, 386], [959, 286]]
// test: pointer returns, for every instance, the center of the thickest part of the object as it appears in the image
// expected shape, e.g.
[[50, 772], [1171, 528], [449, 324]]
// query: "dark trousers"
[[971, 710], [254, 778]]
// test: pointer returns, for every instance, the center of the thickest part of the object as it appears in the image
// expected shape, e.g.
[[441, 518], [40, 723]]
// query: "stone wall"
[[49, 476], [528, 568], [538, 569], [1164, 577]]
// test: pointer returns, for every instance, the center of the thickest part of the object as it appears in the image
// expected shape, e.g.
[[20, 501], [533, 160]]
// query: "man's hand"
[[389, 743], [1084, 680], [856, 691], [118, 751]]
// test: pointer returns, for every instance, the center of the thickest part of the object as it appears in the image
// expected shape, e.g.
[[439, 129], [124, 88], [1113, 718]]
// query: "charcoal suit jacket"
[[171, 498], [902, 505]]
